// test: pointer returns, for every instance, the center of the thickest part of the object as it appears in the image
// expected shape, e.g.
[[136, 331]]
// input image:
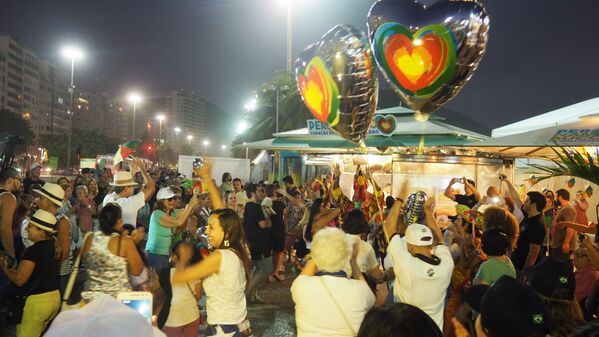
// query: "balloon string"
[[378, 204]]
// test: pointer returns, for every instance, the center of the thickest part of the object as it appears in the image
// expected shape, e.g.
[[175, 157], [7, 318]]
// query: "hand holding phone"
[[140, 301]]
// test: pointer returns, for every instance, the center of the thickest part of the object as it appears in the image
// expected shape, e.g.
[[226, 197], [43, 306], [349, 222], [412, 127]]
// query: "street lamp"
[[189, 138], [206, 142], [251, 105], [160, 118], [241, 127], [73, 54], [177, 131], [277, 89], [289, 32], [246, 150], [134, 98]]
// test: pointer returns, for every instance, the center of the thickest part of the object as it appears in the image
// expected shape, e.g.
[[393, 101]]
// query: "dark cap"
[[509, 308], [553, 278]]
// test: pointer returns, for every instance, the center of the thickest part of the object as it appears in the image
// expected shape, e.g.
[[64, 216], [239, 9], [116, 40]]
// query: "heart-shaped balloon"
[[337, 81], [427, 54]]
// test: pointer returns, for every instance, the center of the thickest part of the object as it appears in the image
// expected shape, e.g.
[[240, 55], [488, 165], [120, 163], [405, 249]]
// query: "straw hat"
[[123, 179], [44, 220], [53, 192]]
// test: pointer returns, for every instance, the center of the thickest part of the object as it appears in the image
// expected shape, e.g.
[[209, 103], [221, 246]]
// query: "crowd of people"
[[369, 264]]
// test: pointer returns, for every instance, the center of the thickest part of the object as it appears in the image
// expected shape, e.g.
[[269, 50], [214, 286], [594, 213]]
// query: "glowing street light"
[[177, 131], [134, 98], [160, 118], [224, 147], [241, 127], [251, 105], [72, 54], [206, 143], [189, 138]]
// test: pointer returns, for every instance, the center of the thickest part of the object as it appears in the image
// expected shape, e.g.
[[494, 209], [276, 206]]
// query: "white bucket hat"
[[44, 220], [123, 179], [104, 316], [53, 192]]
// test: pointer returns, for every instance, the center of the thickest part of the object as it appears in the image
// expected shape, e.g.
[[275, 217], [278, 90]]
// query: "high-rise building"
[[36, 90], [187, 111]]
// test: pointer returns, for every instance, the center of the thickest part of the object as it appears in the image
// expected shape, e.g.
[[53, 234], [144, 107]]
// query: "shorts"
[[278, 240], [263, 266]]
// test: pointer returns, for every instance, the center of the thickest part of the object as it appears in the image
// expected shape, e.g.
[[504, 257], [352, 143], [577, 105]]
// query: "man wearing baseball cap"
[[124, 188], [34, 178], [422, 264], [509, 308]]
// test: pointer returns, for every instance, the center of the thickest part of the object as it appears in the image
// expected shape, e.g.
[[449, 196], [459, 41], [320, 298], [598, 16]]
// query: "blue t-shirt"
[[159, 237]]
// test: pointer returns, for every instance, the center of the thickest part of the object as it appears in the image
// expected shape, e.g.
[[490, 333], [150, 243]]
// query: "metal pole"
[[277, 111], [160, 130], [71, 114], [133, 126], [289, 35]]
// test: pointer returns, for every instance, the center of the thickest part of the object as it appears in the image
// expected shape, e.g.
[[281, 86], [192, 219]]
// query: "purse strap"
[[351, 328], [73, 276]]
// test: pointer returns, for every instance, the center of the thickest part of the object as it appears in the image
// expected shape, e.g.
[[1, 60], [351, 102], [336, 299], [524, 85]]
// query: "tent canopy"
[[576, 125]]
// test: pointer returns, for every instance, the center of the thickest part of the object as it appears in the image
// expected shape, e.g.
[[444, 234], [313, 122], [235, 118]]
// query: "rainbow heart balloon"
[[427, 54], [337, 81], [319, 91]]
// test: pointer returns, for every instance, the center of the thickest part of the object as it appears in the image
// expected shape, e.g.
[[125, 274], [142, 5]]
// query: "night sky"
[[542, 54]]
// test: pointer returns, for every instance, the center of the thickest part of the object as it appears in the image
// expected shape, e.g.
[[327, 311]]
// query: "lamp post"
[[160, 118], [206, 142], [246, 150], [134, 98], [289, 3], [73, 54], [277, 89], [189, 138], [177, 131]]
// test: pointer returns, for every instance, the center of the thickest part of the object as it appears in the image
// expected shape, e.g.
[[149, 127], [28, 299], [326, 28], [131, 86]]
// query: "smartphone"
[[140, 301], [459, 180]]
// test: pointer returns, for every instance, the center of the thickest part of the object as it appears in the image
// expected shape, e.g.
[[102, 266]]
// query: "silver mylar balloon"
[[427, 54], [414, 208], [336, 78]]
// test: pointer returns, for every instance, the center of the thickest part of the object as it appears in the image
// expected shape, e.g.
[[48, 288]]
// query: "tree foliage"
[[87, 143], [13, 124], [293, 114], [571, 163]]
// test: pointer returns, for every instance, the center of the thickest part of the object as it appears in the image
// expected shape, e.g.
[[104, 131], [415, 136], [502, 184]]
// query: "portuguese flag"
[[125, 150]]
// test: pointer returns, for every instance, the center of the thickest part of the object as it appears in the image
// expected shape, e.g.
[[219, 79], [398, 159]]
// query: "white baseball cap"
[[102, 317], [419, 235], [165, 193], [35, 165]]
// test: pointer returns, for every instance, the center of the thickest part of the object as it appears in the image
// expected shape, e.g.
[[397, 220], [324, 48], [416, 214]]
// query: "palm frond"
[[570, 162]]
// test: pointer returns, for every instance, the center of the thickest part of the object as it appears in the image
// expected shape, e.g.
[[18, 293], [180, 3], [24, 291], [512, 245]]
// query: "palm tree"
[[570, 163], [293, 114]]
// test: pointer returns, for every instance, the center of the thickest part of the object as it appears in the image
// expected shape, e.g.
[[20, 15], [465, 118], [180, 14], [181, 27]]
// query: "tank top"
[[107, 272]]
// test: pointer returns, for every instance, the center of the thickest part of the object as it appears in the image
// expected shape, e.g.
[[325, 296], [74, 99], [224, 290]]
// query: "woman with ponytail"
[[225, 272], [110, 256]]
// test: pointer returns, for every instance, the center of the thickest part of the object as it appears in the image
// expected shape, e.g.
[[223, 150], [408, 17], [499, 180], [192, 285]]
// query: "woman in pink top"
[[85, 208], [581, 204]]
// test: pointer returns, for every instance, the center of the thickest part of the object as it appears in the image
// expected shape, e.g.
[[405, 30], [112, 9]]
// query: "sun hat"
[[53, 192], [104, 316], [509, 308], [419, 235], [553, 278], [165, 193], [44, 220], [123, 179]]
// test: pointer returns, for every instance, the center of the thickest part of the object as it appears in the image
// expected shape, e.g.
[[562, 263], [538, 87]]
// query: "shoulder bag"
[[69, 289]]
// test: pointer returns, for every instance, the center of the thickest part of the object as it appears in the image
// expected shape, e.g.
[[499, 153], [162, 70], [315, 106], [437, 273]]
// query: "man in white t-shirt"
[[124, 187], [422, 265]]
